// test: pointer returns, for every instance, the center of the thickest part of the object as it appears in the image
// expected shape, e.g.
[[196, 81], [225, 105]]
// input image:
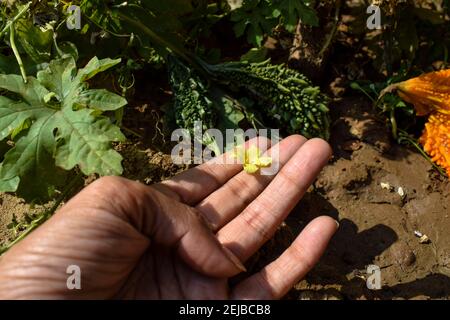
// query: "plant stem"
[[45, 215], [131, 131], [155, 38], [171, 47], [367, 94], [12, 41], [394, 124], [404, 136], [332, 34], [17, 17]]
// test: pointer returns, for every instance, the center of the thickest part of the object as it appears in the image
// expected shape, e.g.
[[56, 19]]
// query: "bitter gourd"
[[191, 103], [286, 96]]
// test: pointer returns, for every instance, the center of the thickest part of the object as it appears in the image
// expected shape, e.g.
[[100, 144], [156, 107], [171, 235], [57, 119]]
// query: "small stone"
[[424, 239], [386, 186], [418, 234], [401, 192]]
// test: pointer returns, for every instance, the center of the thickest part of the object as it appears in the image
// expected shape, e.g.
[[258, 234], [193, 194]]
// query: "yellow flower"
[[252, 159]]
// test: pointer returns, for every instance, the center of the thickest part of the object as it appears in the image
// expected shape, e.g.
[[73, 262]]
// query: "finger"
[[259, 221], [167, 223], [194, 185], [223, 205], [277, 278]]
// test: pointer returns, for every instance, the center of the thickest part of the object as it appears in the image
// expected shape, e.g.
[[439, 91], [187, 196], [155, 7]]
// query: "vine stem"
[[17, 17], [405, 137], [389, 89], [156, 38], [334, 30], [394, 124], [170, 47], [45, 216], [10, 26], [12, 40], [131, 131]]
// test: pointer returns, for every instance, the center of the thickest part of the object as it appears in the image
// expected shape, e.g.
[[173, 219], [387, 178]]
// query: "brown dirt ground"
[[11, 206], [377, 225]]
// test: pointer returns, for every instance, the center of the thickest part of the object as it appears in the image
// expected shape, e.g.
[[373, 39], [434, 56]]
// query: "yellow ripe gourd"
[[436, 139], [430, 95]]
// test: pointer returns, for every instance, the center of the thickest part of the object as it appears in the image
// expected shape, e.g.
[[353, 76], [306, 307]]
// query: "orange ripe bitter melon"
[[430, 95]]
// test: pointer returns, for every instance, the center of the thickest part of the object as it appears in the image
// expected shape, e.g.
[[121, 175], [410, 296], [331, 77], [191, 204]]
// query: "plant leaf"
[[30, 163], [36, 43], [254, 18], [257, 18], [100, 99], [58, 125], [94, 67], [87, 143]]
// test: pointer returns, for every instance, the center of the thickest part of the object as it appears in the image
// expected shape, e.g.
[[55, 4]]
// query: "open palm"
[[183, 238]]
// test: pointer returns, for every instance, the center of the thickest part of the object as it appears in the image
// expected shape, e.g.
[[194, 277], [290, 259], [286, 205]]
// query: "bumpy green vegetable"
[[287, 96], [191, 102]]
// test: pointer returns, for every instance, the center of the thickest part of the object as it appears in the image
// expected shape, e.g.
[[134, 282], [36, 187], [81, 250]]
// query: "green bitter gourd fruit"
[[286, 96]]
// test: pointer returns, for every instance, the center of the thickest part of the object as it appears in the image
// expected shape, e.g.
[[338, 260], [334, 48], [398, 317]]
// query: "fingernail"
[[337, 223], [234, 259]]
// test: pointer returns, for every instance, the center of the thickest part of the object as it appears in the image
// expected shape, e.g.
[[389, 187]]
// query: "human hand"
[[180, 239]]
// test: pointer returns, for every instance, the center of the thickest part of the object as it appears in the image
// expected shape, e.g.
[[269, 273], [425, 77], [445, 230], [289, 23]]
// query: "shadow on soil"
[[349, 253]]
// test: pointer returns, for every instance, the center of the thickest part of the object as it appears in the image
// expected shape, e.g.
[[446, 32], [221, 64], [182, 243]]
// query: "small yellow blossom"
[[252, 159]]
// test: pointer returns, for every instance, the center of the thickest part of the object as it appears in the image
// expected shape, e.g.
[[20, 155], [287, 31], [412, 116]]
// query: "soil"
[[378, 224], [10, 207]]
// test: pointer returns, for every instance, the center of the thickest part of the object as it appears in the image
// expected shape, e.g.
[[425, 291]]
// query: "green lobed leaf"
[[59, 76], [56, 123], [31, 161], [87, 143], [100, 99], [257, 18], [293, 11], [94, 67]]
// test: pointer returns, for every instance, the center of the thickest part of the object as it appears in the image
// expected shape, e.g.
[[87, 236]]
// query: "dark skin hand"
[[180, 239]]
